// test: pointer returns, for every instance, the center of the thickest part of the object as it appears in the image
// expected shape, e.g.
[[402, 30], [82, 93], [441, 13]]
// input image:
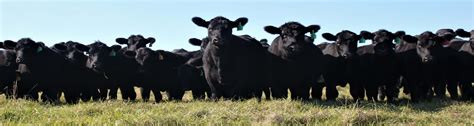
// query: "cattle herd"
[[241, 67]]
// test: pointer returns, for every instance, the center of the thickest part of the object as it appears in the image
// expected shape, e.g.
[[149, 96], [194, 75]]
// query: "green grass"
[[249, 112]]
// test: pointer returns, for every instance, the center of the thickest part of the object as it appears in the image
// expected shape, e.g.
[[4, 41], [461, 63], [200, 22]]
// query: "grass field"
[[249, 112]]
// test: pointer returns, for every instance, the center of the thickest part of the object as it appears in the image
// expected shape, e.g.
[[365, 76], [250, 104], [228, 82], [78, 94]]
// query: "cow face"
[[383, 41], [292, 39], [99, 55], [135, 42], [264, 43], [25, 48], [7, 57], [202, 43], [220, 29], [425, 42], [346, 42], [446, 34], [74, 51], [146, 56]]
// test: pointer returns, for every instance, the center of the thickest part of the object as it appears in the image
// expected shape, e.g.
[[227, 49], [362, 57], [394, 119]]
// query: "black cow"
[[466, 61], [101, 61], [124, 70], [92, 81], [16, 79], [379, 70], [233, 65], [159, 72], [294, 61], [51, 70], [340, 64], [191, 73], [8, 68], [421, 64]]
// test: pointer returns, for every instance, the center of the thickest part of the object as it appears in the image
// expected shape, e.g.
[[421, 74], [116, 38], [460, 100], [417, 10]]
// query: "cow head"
[[99, 55], [383, 41], [220, 29], [292, 39], [346, 42], [425, 42], [25, 48], [264, 43], [446, 34], [135, 42], [146, 56], [74, 51], [7, 57], [202, 43]]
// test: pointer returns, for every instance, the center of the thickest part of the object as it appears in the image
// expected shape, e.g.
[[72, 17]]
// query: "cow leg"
[[158, 96], [50, 95], [391, 91], [440, 89], [128, 93], [413, 88], [466, 90], [279, 91], [371, 91], [300, 92], [267, 93], [96, 94], [198, 94], [103, 93], [145, 93], [113, 92], [453, 89], [71, 96], [331, 91], [357, 91], [86, 94], [381, 92], [175, 94], [317, 91]]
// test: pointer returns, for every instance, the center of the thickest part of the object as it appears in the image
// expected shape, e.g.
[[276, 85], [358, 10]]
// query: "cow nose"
[[427, 59], [19, 60]]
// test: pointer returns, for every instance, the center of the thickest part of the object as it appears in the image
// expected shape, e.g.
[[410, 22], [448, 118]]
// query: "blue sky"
[[86, 21]]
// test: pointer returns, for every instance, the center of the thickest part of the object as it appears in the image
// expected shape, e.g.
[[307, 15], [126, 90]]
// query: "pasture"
[[248, 112]]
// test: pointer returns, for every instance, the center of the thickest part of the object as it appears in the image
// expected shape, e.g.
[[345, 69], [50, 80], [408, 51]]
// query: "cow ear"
[[312, 28], [463, 33], [60, 46], [200, 22], [272, 30], [116, 48], [399, 34], [367, 35], [82, 47], [329, 37], [409, 39], [195, 42], [8, 44], [151, 40], [121, 41], [240, 22]]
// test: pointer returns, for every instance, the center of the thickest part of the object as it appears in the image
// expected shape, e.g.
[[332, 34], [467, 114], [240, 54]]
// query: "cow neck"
[[468, 48]]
